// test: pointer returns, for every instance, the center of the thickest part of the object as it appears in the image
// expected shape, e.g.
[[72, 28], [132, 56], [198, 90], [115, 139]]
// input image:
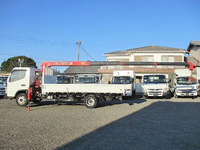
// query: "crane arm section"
[[112, 63], [63, 63]]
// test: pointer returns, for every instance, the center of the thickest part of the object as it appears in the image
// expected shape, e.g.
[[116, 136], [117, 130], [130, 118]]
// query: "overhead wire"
[[30, 40], [34, 41], [88, 54]]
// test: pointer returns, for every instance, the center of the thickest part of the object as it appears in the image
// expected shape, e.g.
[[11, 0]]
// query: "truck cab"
[[19, 80], [182, 83], [155, 85], [124, 77], [186, 86]]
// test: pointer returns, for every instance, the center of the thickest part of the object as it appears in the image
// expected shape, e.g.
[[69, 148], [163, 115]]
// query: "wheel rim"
[[90, 102], [21, 100]]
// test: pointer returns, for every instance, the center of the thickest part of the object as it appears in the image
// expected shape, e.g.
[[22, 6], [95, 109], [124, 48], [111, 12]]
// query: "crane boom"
[[113, 63]]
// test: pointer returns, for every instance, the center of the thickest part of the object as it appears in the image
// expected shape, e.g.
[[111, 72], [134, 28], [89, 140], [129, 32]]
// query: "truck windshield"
[[186, 81], [154, 79], [86, 79], [121, 80], [63, 80]]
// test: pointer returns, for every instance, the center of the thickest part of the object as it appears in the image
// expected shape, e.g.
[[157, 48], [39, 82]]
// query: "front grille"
[[186, 90], [155, 90], [2, 89]]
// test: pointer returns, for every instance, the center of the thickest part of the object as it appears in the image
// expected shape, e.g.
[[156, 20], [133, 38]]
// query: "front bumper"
[[186, 94], [156, 94]]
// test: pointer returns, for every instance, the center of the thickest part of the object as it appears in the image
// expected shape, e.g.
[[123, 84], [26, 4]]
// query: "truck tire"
[[90, 101], [21, 99]]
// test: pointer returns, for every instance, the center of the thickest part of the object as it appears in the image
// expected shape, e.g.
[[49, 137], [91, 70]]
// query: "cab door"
[[17, 81]]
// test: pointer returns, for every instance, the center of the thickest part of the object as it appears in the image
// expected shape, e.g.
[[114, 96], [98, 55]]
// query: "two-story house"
[[151, 53]]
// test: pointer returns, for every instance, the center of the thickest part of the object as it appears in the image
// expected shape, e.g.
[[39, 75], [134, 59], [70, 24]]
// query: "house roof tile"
[[193, 43], [82, 69], [149, 49]]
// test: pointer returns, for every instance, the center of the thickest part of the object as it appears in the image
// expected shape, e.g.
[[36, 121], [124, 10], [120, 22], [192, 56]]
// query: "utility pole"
[[78, 43]]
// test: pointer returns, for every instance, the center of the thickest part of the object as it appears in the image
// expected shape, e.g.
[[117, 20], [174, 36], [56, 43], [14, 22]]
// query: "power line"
[[30, 40], [88, 54]]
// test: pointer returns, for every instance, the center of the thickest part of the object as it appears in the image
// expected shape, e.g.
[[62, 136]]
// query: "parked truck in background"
[[155, 85], [125, 77], [182, 83], [87, 78], [24, 80]]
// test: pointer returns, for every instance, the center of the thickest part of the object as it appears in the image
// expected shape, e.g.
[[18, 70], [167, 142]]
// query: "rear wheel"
[[21, 99], [90, 101]]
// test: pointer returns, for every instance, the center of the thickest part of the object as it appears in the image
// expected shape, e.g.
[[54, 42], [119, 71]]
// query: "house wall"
[[158, 57], [118, 58], [195, 52], [140, 70]]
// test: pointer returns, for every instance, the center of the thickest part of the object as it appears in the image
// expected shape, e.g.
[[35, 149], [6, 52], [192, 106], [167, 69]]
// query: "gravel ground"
[[132, 124]]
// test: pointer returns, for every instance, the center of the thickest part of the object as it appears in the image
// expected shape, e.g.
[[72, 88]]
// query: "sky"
[[47, 30]]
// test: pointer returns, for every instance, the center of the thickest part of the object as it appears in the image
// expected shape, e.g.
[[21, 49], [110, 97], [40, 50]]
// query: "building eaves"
[[155, 49], [121, 53], [193, 43]]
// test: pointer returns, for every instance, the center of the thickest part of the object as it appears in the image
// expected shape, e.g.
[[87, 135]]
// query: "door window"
[[17, 75]]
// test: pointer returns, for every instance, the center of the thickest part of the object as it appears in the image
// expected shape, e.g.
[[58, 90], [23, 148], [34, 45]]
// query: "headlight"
[[144, 90], [179, 91], [127, 90], [165, 90], [194, 91]]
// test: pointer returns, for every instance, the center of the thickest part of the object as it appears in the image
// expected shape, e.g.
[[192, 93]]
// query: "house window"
[[178, 58], [137, 58], [143, 58], [168, 58]]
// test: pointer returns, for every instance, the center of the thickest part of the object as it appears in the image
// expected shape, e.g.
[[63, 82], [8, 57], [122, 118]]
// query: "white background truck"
[[20, 79], [155, 85], [125, 77], [181, 85], [87, 78]]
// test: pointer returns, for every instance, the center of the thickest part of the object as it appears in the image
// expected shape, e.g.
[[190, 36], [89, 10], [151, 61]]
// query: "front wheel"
[[21, 99], [90, 101]]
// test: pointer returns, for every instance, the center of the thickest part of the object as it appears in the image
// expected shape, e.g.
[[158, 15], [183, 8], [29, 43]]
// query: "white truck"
[[182, 84], [154, 85], [21, 79], [124, 77]]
